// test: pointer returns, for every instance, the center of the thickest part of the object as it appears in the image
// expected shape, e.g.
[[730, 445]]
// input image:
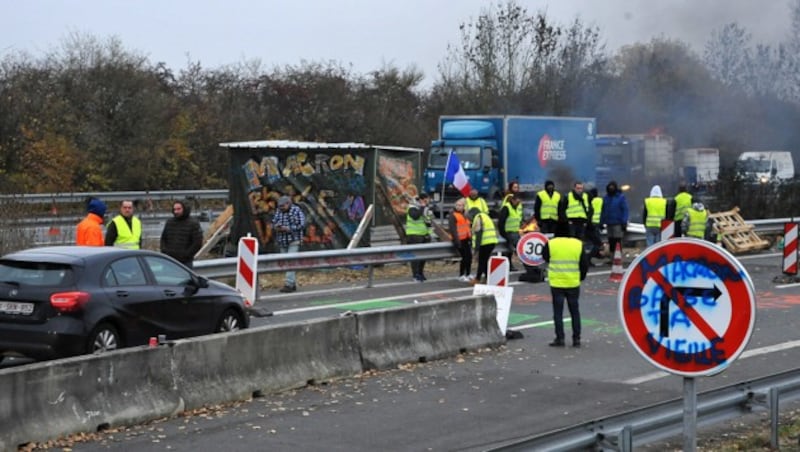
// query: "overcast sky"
[[366, 34]]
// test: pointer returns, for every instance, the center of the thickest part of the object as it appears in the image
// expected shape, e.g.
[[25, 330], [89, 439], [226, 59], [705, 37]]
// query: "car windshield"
[[754, 165], [469, 156], [35, 273]]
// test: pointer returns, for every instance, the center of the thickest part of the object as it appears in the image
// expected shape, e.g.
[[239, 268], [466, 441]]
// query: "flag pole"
[[444, 183]]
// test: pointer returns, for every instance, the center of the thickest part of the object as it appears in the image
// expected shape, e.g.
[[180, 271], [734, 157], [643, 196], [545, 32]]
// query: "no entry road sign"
[[687, 306], [529, 248]]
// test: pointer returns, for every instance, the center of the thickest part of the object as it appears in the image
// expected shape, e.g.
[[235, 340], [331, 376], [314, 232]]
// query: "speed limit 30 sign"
[[687, 306], [529, 248]]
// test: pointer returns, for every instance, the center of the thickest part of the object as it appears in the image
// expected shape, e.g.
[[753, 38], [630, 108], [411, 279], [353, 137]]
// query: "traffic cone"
[[616, 266]]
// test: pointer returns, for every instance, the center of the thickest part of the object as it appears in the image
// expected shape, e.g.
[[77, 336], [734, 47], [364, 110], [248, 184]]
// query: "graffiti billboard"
[[332, 183]]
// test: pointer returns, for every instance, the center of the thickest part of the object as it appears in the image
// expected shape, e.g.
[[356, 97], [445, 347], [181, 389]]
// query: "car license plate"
[[13, 307]]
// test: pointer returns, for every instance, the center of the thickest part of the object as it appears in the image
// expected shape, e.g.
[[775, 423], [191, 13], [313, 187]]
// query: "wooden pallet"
[[736, 235], [216, 231]]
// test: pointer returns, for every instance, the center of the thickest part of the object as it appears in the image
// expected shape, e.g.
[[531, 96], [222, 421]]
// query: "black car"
[[69, 300]]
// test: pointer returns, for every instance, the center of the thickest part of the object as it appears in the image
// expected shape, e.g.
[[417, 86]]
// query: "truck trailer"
[[496, 150]]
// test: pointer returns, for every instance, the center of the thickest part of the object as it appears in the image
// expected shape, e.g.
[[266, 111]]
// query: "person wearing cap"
[[418, 230], [475, 201], [695, 221], [288, 224], [576, 209], [567, 267], [125, 230], [545, 208], [614, 215], [90, 230]]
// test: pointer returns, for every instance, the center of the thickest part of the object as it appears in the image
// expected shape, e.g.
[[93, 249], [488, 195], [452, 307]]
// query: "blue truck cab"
[[477, 144]]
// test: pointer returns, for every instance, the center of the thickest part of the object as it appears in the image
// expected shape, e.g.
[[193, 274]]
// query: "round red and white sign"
[[529, 248], [687, 306]]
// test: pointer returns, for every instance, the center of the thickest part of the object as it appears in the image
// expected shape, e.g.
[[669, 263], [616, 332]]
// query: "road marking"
[[746, 354]]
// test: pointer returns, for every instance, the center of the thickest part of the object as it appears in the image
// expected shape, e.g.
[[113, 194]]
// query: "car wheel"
[[103, 338], [230, 321]]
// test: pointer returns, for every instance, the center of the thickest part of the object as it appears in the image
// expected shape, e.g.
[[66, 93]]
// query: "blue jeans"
[[293, 247], [653, 235]]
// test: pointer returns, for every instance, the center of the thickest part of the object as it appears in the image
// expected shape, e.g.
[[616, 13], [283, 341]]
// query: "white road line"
[[746, 354]]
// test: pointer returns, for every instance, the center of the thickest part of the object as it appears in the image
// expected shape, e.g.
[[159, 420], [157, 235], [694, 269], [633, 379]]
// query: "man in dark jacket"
[[182, 237], [614, 215]]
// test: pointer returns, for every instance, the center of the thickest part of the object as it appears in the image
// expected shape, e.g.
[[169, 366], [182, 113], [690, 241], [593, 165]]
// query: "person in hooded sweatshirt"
[[182, 237], [614, 215], [90, 229], [695, 221], [655, 210]]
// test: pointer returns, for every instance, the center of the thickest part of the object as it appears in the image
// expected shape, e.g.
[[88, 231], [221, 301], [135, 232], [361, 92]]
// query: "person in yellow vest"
[[577, 211], [695, 221], [484, 238], [475, 201], [460, 231], [683, 200], [655, 210], [125, 230], [509, 222], [593, 227], [567, 267], [545, 208], [418, 230], [513, 189]]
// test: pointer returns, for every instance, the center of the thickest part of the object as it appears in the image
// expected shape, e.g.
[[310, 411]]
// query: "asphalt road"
[[476, 400]]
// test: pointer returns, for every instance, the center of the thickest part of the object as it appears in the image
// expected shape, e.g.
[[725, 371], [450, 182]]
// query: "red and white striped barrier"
[[790, 248], [498, 271], [247, 270], [667, 229]]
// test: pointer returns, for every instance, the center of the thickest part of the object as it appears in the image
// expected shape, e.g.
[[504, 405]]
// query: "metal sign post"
[[689, 414], [688, 307]]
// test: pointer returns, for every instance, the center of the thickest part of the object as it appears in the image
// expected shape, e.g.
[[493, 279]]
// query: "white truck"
[[698, 166], [765, 166]]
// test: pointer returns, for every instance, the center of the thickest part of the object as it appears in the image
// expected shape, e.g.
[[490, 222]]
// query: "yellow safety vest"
[[656, 211], [683, 201], [597, 207], [416, 227], [564, 268], [549, 209], [574, 207], [489, 234], [697, 223], [127, 238], [514, 219], [480, 203]]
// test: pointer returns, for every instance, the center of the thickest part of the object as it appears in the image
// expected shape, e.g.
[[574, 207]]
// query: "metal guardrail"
[[665, 420], [44, 198], [313, 260]]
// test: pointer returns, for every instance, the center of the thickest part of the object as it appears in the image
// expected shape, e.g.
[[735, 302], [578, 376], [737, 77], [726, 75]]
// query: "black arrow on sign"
[[704, 292]]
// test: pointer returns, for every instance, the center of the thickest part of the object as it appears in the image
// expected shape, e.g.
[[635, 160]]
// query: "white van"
[[766, 166]]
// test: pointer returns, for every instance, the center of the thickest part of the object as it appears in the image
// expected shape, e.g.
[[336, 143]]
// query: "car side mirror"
[[202, 282]]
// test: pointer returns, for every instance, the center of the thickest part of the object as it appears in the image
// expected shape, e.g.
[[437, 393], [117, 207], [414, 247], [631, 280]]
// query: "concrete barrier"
[[427, 331], [228, 367], [46, 400], [49, 399]]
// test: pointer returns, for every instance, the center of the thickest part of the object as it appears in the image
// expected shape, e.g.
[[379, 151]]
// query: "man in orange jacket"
[[90, 229]]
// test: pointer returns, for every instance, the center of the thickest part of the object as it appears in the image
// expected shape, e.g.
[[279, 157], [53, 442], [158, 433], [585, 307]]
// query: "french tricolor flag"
[[455, 173]]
